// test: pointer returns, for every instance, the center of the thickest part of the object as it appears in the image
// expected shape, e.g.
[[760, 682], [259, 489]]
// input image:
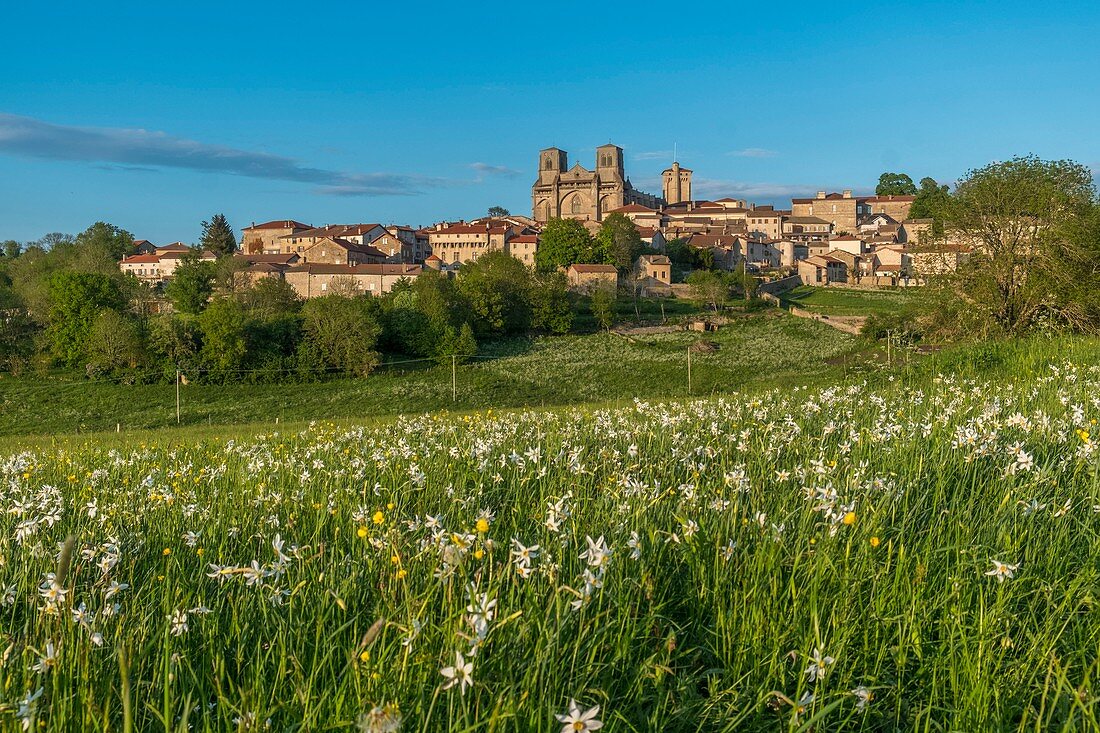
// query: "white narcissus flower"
[[574, 721], [1002, 571], [461, 674]]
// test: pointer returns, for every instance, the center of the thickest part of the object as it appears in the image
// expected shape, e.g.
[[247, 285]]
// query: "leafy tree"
[[191, 285], [176, 342], [551, 309], [930, 200], [497, 288], [895, 184], [269, 298], [114, 342], [497, 211], [603, 307], [563, 242], [457, 346], [618, 242], [1030, 228], [217, 236], [76, 300], [106, 239], [343, 332], [11, 248], [710, 286], [223, 325]]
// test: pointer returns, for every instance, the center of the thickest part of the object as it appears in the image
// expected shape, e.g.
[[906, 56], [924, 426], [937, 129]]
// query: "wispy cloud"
[[653, 155], [127, 147], [753, 153], [484, 169]]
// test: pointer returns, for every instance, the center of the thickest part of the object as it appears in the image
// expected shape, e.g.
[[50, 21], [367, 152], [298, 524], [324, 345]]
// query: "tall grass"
[[815, 558]]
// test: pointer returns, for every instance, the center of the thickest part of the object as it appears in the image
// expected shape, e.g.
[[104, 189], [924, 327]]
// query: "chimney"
[[847, 193], [821, 194]]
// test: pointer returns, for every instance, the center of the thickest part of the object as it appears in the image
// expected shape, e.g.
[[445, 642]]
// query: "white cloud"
[[130, 148]]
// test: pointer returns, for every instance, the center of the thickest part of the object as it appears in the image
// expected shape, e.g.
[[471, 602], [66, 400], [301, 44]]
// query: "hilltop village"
[[829, 238]]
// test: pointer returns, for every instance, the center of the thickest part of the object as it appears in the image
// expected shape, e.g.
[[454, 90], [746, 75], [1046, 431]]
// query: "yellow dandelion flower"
[[482, 525], [875, 542], [167, 552], [364, 656], [402, 573], [849, 518], [379, 518], [362, 532], [478, 554]]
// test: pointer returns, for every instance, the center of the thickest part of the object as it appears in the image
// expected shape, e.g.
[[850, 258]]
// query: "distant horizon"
[[155, 120]]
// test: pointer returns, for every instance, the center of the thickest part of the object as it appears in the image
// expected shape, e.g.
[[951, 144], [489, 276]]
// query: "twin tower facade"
[[579, 193]]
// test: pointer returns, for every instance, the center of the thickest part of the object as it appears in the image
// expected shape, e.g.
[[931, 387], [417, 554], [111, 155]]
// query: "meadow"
[[759, 349], [835, 301], [904, 554]]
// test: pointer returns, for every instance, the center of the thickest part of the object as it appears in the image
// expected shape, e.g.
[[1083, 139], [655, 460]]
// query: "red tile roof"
[[140, 259], [633, 209], [321, 268], [280, 224]]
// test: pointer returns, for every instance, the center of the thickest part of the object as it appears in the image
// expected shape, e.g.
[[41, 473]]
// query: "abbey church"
[[578, 193]]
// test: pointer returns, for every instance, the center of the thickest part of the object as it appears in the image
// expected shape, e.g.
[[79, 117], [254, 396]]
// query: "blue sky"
[[155, 116]]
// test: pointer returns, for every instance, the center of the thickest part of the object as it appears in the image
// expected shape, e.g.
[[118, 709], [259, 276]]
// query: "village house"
[[587, 278], [523, 247], [266, 238], [656, 267], [160, 266], [822, 270], [301, 241], [336, 251], [252, 267], [896, 207], [841, 210], [805, 228], [765, 221], [313, 280], [847, 243]]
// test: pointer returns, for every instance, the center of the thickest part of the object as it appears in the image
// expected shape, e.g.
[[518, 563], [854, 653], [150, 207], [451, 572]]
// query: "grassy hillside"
[[762, 349], [833, 301], [914, 553]]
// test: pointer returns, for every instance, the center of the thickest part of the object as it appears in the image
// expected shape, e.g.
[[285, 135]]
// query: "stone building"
[[313, 280], [578, 193], [463, 242], [842, 210], [336, 251], [266, 238], [676, 184]]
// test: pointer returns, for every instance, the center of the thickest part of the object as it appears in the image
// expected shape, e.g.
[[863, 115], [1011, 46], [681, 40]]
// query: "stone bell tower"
[[676, 184]]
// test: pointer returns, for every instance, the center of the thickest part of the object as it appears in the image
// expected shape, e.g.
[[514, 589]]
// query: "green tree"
[[76, 300], [457, 346], [270, 297], [114, 342], [191, 285], [603, 307], [497, 288], [619, 242], [563, 242], [1030, 227], [106, 239], [176, 342], [343, 332], [930, 200], [551, 308], [710, 286], [218, 237], [895, 184], [11, 248], [223, 325], [497, 211]]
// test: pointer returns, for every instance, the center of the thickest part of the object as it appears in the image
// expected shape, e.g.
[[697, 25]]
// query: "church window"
[[576, 205]]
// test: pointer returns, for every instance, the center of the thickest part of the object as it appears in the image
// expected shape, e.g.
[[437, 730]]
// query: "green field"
[[917, 552], [833, 301], [762, 349]]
